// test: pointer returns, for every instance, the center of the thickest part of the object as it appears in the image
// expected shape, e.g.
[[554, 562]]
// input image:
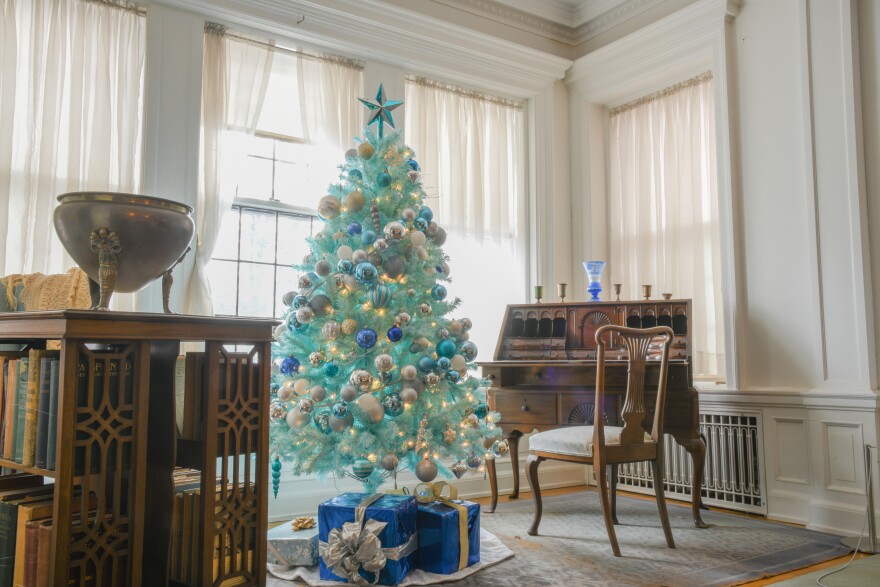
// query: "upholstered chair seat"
[[576, 441]]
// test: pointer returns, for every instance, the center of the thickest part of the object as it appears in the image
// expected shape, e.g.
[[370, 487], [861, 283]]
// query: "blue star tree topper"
[[381, 110]]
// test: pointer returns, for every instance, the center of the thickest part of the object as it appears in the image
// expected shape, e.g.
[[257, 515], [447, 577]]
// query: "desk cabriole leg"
[[493, 483], [697, 449], [513, 443]]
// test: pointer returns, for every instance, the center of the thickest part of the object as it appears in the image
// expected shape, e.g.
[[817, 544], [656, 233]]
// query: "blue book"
[[21, 392], [54, 367], [43, 411]]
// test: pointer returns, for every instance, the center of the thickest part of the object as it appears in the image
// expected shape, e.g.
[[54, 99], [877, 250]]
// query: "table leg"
[[513, 443], [697, 449], [493, 483]]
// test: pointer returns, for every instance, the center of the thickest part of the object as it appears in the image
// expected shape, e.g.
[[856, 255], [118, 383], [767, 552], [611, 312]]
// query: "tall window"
[[278, 173], [470, 148], [663, 208]]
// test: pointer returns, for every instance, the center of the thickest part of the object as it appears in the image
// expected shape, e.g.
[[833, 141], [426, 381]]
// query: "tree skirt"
[[492, 551]]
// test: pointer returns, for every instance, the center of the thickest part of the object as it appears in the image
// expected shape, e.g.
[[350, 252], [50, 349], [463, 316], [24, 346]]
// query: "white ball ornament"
[[350, 282], [279, 331], [409, 395], [348, 393], [444, 268], [358, 256], [371, 407], [464, 336], [301, 386], [296, 419], [384, 362], [344, 252], [409, 372], [286, 393], [318, 393], [418, 238], [457, 363]]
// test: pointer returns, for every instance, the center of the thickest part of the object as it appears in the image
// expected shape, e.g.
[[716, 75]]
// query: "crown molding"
[[681, 43], [557, 26], [371, 29], [616, 12]]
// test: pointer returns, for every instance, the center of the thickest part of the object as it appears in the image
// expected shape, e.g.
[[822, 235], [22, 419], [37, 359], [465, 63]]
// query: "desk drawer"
[[528, 408]]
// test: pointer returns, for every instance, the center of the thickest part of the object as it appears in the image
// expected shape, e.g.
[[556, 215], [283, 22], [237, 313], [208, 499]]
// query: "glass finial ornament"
[[276, 476], [594, 275], [380, 111]]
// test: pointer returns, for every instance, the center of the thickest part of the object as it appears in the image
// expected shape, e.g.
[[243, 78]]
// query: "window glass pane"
[[286, 280], [292, 234], [257, 290], [254, 177], [227, 242], [291, 184], [222, 277], [257, 236], [281, 107]]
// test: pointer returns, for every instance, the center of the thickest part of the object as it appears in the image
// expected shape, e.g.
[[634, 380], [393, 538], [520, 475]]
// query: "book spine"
[[31, 553], [29, 454], [3, 367], [54, 372], [21, 394], [11, 403], [8, 523], [43, 413], [44, 550]]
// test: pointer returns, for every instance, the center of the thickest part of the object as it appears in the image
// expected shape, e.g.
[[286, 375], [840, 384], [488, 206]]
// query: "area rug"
[[863, 572], [573, 548]]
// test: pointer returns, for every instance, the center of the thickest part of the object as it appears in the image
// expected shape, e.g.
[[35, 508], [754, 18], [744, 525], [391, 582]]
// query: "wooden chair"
[[603, 446]]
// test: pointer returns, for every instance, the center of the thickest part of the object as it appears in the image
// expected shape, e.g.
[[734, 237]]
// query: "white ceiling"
[[571, 13]]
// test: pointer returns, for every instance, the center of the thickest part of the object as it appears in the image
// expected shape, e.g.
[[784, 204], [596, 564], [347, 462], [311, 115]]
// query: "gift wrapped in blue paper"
[[449, 529], [291, 547], [362, 535]]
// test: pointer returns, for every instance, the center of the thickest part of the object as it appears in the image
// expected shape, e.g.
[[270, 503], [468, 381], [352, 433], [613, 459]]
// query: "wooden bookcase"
[[126, 429]]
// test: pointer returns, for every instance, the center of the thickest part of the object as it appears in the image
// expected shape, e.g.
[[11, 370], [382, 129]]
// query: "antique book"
[[44, 551], [21, 393], [27, 512], [29, 451], [31, 553], [54, 371], [43, 410], [11, 401]]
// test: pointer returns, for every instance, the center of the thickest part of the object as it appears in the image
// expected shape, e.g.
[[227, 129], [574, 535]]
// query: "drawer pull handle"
[[524, 407]]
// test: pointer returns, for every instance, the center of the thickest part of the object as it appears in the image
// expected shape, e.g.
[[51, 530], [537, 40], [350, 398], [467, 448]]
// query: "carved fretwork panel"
[[236, 519], [106, 433]]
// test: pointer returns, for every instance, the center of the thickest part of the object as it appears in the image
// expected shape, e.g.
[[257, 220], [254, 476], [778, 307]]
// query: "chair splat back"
[[637, 342]]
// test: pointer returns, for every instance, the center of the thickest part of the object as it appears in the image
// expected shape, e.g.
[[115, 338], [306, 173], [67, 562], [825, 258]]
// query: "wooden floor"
[[769, 581]]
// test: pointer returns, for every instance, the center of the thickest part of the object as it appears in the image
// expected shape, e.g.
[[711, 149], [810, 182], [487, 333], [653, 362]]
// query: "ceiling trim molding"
[[370, 29], [618, 13], [504, 13]]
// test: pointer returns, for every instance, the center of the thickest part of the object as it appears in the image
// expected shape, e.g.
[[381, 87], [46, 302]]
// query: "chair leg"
[[602, 480], [532, 473], [613, 475], [660, 494]]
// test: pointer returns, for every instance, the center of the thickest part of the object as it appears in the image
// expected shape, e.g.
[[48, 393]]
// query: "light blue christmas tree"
[[372, 376]]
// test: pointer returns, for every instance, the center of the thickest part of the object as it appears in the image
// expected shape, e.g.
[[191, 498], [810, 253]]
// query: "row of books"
[[29, 407]]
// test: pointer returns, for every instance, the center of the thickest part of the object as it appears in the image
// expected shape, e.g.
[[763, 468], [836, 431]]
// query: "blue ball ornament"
[[366, 338], [468, 350], [383, 179], [446, 348], [290, 365], [331, 369], [420, 224], [438, 292], [443, 364], [425, 364], [413, 164], [355, 174], [393, 405], [354, 228], [379, 295], [300, 301], [366, 273], [426, 213], [362, 468], [481, 410], [339, 410], [395, 334], [321, 419], [368, 237], [345, 266], [452, 376]]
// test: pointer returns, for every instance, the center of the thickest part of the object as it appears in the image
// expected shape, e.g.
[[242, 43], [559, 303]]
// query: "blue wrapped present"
[[291, 547], [449, 529], [363, 535]]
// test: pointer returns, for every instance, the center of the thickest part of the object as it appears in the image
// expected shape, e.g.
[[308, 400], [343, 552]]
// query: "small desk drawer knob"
[[524, 407]]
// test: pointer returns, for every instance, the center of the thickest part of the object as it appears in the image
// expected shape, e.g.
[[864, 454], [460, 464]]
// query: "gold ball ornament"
[[454, 326], [366, 151], [355, 201], [349, 326], [417, 238], [449, 435], [329, 207], [403, 319], [432, 379]]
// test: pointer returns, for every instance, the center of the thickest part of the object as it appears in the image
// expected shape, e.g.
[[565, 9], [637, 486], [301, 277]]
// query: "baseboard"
[[298, 496]]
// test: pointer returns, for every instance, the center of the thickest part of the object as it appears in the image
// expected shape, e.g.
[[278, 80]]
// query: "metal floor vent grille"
[[732, 476]]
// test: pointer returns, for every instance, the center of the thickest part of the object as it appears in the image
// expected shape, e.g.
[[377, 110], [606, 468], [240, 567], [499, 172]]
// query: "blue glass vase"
[[594, 275]]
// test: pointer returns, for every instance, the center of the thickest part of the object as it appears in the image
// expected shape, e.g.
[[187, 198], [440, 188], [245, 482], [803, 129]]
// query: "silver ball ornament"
[[287, 298], [330, 330], [384, 362], [305, 282], [323, 268], [305, 314], [500, 448], [403, 319], [390, 461], [466, 324], [432, 379], [443, 333], [380, 245], [426, 470], [362, 378], [305, 405], [348, 393], [277, 410], [316, 358], [318, 393], [474, 460], [340, 424], [423, 308], [459, 469], [394, 231], [286, 392]]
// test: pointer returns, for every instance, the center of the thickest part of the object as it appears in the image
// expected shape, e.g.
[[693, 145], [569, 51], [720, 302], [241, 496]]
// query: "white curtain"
[[663, 209], [71, 109], [470, 149], [328, 90], [235, 75]]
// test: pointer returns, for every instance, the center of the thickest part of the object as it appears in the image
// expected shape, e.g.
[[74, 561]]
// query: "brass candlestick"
[[560, 289], [646, 292], [539, 293], [617, 287]]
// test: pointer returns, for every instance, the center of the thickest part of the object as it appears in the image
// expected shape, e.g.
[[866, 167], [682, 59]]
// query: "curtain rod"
[[668, 91], [344, 61], [121, 5], [464, 92]]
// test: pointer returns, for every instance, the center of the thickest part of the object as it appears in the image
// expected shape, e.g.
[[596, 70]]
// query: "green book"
[[54, 370], [43, 411], [21, 392], [8, 527]]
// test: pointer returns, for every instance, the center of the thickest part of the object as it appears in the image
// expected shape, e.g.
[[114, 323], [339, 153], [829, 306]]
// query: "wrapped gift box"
[[397, 512], [291, 547], [440, 543]]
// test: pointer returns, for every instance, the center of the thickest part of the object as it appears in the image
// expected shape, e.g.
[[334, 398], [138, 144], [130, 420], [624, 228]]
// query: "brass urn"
[[123, 241]]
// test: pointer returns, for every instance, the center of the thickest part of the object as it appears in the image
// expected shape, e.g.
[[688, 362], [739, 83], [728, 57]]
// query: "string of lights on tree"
[[370, 376]]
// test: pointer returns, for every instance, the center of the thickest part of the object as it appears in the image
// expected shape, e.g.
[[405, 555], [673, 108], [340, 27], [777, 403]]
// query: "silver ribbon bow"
[[356, 546]]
